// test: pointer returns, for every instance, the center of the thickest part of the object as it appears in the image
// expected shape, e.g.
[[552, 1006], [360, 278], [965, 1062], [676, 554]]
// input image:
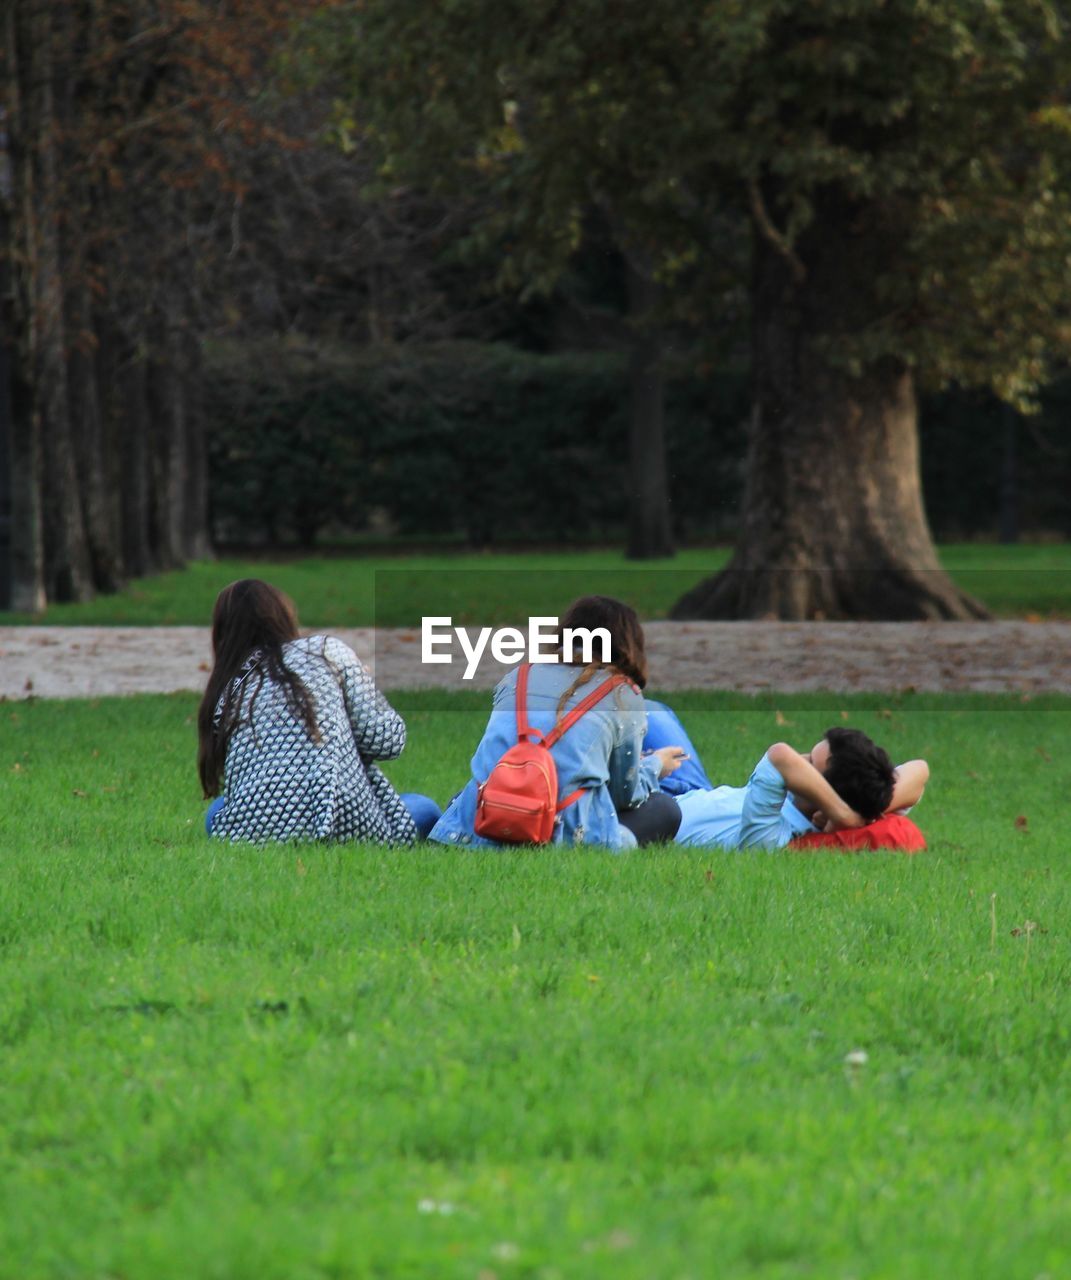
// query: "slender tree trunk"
[[67, 569], [1009, 479], [167, 403], [111, 378], [833, 524], [91, 443], [649, 531], [8, 367], [6, 374], [27, 558], [138, 554], [27, 526], [197, 536]]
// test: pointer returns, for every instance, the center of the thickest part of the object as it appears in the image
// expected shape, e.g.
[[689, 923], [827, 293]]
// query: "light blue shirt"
[[760, 815]]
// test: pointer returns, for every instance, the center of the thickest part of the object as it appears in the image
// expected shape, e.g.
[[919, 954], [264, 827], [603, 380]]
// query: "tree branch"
[[765, 224]]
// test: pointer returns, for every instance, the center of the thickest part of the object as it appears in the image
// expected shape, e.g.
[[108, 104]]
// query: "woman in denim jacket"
[[621, 805]]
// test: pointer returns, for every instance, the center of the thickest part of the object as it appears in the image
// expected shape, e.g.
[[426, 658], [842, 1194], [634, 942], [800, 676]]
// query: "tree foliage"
[[945, 122], [900, 168]]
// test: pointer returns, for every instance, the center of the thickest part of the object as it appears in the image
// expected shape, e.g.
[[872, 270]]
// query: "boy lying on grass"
[[844, 781]]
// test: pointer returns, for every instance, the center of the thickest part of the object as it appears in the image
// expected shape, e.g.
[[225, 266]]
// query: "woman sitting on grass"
[[289, 731], [620, 804]]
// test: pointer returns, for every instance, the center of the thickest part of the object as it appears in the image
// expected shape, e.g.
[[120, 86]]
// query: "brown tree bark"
[[197, 533], [167, 407], [833, 524], [27, 559], [134, 472], [67, 572]]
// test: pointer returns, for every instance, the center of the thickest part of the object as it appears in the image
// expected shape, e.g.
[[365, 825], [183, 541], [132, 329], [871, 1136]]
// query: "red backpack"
[[518, 803]]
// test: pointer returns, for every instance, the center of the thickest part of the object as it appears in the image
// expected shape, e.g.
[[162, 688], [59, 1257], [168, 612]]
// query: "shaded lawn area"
[[330, 1062], [498, 588]]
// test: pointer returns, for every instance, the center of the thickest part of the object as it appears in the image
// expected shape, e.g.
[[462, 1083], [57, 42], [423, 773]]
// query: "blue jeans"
[[422, 809], [664, 729], [210, 816]]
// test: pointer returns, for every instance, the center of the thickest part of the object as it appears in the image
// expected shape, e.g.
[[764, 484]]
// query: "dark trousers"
[[655, 820]]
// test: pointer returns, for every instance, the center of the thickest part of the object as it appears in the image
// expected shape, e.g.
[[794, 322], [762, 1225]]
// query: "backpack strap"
[[525, 732], [582, 708]]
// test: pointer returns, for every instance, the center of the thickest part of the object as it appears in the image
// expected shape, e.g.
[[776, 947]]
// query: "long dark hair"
[[251, 620], [628, 654]]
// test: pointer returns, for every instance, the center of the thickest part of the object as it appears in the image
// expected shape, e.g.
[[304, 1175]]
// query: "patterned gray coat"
[[279, 784]]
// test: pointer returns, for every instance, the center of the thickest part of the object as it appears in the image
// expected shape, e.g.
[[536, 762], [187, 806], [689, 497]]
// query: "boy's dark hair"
[[859, 771]]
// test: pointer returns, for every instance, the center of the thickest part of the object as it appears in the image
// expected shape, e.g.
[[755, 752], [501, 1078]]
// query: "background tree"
[[902, 172], [532, 103], [117, 118]]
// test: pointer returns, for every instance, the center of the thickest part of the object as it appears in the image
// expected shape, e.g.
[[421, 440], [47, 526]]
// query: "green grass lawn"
[[310, 1062], [497, 588]]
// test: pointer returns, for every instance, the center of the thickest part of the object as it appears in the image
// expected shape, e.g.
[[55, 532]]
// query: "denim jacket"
[[602, 753]]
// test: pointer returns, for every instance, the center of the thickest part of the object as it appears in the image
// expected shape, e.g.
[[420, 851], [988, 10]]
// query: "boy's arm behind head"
[[909, 782], [804, 781]]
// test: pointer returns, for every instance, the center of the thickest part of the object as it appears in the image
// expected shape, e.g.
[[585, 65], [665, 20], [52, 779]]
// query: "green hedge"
[[480, 441], [485, 443], [964, 440]]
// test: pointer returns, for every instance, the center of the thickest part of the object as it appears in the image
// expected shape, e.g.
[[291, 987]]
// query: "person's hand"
[[848, 820], [826, 824], [672, 758]]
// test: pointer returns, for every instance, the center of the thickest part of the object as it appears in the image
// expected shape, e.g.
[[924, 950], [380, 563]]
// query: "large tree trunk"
[[649, 533], [833, 524]]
